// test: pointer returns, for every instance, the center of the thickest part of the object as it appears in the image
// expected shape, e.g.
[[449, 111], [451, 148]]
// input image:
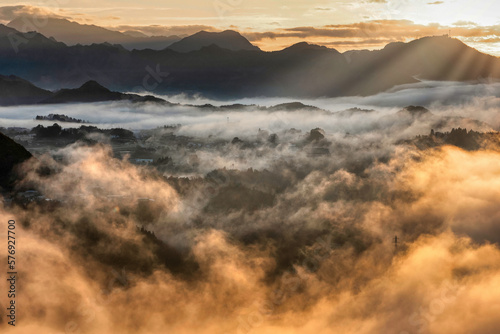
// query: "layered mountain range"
[[73, 33], [226, 65]]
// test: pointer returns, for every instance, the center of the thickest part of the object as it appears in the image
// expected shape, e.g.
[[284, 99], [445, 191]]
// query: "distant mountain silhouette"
[[230, 40], [72, 33], [12, 40], [306, 47], [15, 91], [301, 71], [431, 58], [92, 91], [11, 154]]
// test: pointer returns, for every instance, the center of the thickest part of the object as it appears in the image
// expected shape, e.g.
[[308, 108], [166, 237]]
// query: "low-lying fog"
[[477, 101], [301, 242]]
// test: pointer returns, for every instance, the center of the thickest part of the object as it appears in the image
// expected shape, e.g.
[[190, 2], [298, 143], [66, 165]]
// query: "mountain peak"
[[306, 46], [6, 30], [205, 33], [228, 39], [93, 86], [92, 91]]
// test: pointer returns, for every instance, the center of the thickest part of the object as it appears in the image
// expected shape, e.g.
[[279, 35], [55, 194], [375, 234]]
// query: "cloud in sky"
[[259, 12], [159, 30], [8, 13]]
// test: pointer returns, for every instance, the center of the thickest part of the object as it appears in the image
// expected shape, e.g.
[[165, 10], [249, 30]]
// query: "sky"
[[273, 24]]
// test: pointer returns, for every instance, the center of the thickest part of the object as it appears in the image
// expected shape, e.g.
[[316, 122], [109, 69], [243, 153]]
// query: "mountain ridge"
[[73, 33], [228, 39], [17, 91], [14, 90], [302, 70]]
